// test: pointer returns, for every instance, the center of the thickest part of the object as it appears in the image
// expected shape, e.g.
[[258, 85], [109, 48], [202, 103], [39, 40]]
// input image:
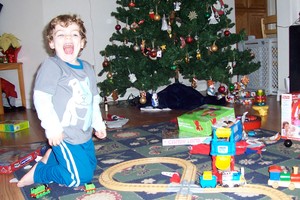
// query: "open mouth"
[[68, 49]]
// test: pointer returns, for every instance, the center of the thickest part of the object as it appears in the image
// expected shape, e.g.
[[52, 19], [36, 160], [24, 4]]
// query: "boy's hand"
[[101, 134], [56, 140]]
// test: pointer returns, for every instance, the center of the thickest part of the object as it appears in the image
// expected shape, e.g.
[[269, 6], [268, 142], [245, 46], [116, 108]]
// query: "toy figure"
[[154, 100], [211, 88]]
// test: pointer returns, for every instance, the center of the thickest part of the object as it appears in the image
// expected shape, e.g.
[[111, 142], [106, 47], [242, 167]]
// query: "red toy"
[[251, 122], [175, 178]]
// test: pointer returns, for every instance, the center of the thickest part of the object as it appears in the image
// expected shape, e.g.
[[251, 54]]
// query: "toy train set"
[[223, 149]]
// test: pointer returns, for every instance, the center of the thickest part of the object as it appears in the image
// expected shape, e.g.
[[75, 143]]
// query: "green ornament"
[[207, 15], [173, 67], [231, 87]]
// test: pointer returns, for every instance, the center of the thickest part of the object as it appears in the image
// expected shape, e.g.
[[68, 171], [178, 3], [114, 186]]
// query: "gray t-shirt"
[[72, 91]]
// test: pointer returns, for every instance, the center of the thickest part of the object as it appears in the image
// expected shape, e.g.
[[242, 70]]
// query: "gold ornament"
[[198, 55], [163, 47], [214, 47], [187, 58], [109, 75], [143, 100], [157, 17]]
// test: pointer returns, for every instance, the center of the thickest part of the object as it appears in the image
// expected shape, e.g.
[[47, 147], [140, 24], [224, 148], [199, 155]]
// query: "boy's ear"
[[51, 45], [82, 43]]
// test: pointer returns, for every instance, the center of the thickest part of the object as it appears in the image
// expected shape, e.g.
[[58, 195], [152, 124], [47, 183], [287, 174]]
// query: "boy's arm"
[[46, 113], [97, 121]]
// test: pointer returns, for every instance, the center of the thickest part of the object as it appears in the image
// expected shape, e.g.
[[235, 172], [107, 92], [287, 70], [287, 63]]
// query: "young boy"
[[67, 103]]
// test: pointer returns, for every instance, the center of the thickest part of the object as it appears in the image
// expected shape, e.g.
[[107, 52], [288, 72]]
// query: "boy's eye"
[[60, 35]]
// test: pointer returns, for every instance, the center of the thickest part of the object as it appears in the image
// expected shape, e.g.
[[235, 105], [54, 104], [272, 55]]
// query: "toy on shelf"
[[280, 176], [260, 103], [89, 188], [39, 191]]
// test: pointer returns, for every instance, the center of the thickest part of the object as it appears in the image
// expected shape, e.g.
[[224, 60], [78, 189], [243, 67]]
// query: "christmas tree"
[[155, 40]]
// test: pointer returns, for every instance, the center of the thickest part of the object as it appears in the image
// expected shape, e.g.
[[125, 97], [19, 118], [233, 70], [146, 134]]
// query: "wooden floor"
[[136, 118]]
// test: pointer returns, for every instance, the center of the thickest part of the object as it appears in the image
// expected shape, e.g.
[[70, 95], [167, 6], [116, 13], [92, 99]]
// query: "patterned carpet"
[[127, 144]]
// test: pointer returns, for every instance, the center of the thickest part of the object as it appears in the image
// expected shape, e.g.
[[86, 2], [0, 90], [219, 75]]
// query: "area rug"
[[146, 141]]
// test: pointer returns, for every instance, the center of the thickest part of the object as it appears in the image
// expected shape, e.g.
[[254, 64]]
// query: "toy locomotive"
[[39, 191], [281, 177], [89, 188]]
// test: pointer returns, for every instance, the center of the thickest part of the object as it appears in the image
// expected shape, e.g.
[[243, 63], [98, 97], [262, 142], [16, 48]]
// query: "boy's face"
[[67, 42]]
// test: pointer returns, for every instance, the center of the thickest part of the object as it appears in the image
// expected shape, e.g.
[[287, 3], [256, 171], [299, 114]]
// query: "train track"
[[185, 189]]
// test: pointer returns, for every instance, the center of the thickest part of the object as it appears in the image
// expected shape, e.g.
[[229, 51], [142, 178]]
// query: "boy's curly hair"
[[65, 21]]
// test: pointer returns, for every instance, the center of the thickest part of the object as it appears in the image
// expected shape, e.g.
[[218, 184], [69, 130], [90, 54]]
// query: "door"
[[248, 15]]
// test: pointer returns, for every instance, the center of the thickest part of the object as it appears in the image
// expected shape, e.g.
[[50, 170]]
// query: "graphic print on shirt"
[[78, 109]]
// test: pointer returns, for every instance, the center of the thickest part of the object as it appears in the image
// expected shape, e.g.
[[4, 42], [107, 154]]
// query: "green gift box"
[[13, 125], [198, 122]]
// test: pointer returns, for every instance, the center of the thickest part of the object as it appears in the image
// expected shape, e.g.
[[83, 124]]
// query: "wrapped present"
[[13, 125], [199, 122]]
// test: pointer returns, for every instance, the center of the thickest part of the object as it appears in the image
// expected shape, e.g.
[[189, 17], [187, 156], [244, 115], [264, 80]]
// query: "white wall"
[[28, 20], [287, 14], [25, 22]]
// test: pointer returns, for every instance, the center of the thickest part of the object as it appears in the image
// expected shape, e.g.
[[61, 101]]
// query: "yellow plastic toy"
[[262, 110]]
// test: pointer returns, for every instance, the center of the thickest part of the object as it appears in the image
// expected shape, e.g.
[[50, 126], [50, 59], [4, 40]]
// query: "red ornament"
[[141, 21], [118, 27], [222, 89], [105, 63], [227, 33], [151, 14], [131, 4], [189, 39], [153, 53]]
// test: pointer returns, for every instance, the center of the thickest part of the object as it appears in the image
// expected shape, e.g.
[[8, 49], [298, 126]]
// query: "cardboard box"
[[198, 122], [13, 158], [13, 125], [171, 136], [180, 138], [290, 116]]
